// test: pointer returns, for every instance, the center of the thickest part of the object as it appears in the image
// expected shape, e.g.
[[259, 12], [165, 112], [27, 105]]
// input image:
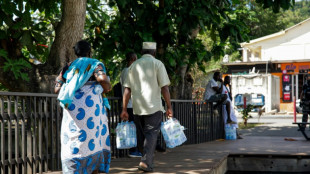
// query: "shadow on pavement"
[[273, 130]]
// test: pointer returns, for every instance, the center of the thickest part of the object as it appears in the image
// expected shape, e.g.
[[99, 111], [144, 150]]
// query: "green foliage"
[[297, 14], [171, 25], [245, 112], [15, 66], [3, 88], [276, 4], [3, 53], [29, 24], [262, 21]]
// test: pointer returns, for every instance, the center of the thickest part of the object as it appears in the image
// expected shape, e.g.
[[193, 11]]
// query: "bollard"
[[294, 98], [244, 102]]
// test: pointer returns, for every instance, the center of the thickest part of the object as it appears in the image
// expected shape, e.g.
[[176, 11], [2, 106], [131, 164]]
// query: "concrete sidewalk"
[[266, 139], [211, 157]]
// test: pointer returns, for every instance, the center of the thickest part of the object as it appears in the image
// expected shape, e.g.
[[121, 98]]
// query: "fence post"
[[211, 121], [46, 133], [195, 116], [10, 136], [17, 142], [2, 148], [29, 135], [24, 140]]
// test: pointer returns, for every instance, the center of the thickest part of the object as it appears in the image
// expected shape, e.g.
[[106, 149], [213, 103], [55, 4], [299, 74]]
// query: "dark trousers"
[[305, 118], [149, 125]]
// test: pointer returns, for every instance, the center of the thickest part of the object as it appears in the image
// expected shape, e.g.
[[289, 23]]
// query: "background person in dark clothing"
[[305, 101], [130, 58]]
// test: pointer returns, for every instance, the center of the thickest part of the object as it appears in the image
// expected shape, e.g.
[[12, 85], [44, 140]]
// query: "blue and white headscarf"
[[76, 76]]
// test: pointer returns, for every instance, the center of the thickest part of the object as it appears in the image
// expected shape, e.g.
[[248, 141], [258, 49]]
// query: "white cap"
[[149, 46]]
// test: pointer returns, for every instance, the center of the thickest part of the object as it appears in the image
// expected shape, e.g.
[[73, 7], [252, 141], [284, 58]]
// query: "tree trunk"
[[245, 122], [67, 33], [183, 90]]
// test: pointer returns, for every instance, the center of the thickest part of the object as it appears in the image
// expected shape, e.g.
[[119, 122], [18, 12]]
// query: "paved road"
[[273, 125]]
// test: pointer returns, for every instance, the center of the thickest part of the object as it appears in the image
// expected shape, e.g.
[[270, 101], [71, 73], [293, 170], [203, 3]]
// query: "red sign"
[[287, 96], [286, 78], [287, 87]]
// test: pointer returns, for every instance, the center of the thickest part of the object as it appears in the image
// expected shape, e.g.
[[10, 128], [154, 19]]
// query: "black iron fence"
[[30, 129]]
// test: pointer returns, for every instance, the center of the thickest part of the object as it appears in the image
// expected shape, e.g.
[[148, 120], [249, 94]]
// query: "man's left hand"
[[169, 113]]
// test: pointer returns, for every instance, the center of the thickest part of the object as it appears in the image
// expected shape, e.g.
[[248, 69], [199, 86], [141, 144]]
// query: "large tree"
[[27, 26], [26, 29], [174, 25]]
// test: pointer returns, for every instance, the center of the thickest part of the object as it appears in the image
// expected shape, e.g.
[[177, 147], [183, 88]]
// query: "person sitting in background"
[[213, 93], [233, 117]]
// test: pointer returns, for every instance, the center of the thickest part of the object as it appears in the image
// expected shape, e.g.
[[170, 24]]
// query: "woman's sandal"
[[231, 122], [145, 169]]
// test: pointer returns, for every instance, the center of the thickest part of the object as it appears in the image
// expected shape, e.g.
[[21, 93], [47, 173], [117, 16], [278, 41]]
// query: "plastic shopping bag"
[[173, 133], [126, 137], [230, 132]]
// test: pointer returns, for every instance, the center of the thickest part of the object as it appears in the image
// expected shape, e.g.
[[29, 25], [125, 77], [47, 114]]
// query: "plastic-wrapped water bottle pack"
[[230, 132], [126, 137], [173, 133]]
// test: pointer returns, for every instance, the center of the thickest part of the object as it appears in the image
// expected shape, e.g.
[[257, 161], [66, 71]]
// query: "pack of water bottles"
[[173, 133], [126, 136], [230, 132]]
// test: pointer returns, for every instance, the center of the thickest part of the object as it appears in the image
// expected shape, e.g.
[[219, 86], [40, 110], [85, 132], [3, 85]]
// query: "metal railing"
[[30, 129]]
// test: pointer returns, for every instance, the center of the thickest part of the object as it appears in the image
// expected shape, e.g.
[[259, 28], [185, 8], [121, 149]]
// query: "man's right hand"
[[124, 116]]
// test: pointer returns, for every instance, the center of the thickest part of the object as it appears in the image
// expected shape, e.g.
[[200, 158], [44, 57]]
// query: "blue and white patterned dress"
[[85, 140]]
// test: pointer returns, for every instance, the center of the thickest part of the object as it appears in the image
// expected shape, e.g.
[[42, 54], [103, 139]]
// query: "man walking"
[[147, 79]]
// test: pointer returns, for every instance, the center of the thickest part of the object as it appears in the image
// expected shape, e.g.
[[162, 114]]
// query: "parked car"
[[256, 100]]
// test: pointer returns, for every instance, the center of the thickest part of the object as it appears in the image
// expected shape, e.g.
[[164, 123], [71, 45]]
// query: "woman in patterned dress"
[[85, 140]]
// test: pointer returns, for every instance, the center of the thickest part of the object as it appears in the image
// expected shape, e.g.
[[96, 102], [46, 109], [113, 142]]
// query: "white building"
[[285, 54]]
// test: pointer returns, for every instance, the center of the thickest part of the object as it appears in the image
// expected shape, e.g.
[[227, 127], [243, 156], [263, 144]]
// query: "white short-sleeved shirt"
[[209, 89], [146, 77], [122, 81]]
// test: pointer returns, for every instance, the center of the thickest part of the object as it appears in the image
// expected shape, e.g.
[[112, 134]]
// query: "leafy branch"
[[15, 66]]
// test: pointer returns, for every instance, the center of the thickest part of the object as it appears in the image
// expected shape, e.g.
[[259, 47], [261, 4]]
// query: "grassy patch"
[[249, 125]]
